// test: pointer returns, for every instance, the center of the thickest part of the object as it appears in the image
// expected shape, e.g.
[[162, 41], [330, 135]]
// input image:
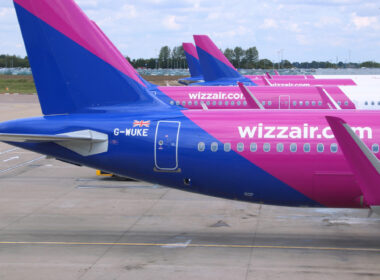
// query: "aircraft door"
[[166, 145], [284, 102]]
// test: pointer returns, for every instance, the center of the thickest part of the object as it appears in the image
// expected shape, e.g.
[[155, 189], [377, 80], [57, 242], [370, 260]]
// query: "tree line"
[[241, 58]]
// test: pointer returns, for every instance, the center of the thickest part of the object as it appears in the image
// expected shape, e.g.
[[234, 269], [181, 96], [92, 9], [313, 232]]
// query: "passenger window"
[[307, 103], [313, 103], [214, 147], [238, 103], [366, 103], [266, 147], [177, 102], [240, 147], [227, 147], [294, 103], [253, 147], [319, 103], [232, 103], [301, 103], [334, 148], [346, 103], [263, 103], [183, 103], [269, 103], [306, 147], [293, 147], [280, 147], [214, 103], [172, 102], [375, 148], [220, 103], [226, 103], [208, 103], [372, 103], [201, 146], [378, 103], [245, 103], [190, 103], [320, 148], [196, 103], [339, 103]]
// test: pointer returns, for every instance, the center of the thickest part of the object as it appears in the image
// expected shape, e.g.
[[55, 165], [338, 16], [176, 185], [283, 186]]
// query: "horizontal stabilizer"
[[252, 101], [326, 97], [84, 142], [361, 159]]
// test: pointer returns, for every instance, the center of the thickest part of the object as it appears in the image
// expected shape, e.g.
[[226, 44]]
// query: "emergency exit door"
[[166, 145]]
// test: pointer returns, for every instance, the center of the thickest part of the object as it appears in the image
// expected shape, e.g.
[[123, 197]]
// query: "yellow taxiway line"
[[191, 245]]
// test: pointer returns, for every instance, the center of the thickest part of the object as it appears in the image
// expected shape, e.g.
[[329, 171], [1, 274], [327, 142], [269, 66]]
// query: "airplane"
[[218, 71], [193, 63], [279, 98], [97, 115]]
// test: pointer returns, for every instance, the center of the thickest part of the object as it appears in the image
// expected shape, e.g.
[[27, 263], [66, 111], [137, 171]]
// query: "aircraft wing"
[[84, 142], [361, 159], [252, 101]]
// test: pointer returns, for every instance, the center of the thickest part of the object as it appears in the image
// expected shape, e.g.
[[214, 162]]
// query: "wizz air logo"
[[306, 131], [216, 96]]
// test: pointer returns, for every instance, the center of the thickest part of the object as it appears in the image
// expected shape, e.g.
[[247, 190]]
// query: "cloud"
[[364, 22], [170, 23], [305, 29], [269, 23]]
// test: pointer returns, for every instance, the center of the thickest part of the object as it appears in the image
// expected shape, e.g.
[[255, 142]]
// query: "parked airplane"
[[232, 98], [279, 157], [193, 63], [217, 70]]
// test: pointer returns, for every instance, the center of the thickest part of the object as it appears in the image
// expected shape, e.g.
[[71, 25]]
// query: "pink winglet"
[[67, 18], [360, 158], [250, 98], [190, 49], [205, 43]]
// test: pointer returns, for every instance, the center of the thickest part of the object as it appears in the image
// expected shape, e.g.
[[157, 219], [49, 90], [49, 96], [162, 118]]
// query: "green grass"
[[17, 84]]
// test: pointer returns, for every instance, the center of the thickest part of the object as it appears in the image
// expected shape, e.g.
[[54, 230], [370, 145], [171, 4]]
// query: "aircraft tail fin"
[[361, 159], [75, 67], [215, 66], [192, 59]]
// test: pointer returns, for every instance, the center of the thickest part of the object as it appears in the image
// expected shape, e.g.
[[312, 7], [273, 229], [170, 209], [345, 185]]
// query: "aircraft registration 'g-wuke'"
[[98, 114]]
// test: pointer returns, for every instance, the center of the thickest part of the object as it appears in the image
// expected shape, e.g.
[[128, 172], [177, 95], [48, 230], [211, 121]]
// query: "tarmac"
[[59, 221]]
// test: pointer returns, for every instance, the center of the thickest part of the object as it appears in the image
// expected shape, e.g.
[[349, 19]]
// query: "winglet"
[[251, 99], [360, 158], [326, 97]]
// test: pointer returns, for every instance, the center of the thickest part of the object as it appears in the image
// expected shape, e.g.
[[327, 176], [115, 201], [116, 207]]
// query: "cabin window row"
[[244, 103], [279, 147], [372, 103], [209, 103]]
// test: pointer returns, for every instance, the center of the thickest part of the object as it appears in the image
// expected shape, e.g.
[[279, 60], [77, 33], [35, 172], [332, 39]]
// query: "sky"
[[297, 30]]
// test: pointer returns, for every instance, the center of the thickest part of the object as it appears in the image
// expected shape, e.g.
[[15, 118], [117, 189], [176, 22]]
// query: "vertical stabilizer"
[[75, 67]]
